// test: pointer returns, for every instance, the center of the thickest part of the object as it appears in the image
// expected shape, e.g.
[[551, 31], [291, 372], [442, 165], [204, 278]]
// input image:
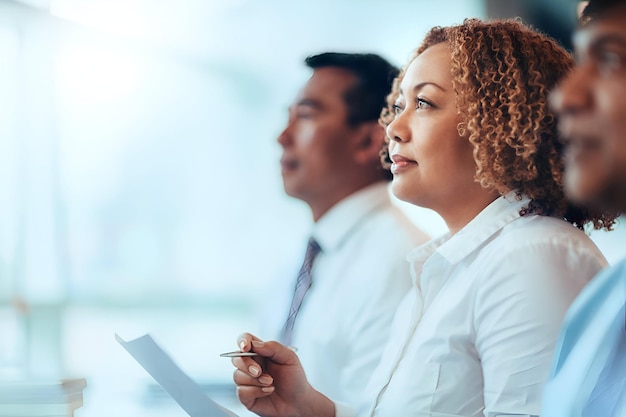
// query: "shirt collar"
[[335, 226], [489, 221]]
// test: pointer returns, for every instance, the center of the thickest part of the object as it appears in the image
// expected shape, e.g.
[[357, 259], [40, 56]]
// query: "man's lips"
[[288, 164], [579, 132], [578, 143], [582, 147]]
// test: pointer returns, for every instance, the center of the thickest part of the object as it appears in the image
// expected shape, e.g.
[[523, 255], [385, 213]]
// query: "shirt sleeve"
[[520, 304]]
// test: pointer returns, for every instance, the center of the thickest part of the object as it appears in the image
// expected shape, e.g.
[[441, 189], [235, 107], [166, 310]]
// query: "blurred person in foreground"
[[471, 137], [357, 275], [589, 371]]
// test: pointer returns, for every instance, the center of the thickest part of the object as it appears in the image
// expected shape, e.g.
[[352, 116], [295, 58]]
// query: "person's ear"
[[370, 138]]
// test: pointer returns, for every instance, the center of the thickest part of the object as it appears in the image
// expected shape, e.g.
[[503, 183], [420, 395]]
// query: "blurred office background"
[[139, 174]]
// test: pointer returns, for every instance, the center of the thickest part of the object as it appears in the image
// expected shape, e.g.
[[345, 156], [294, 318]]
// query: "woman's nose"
[[397, 130]]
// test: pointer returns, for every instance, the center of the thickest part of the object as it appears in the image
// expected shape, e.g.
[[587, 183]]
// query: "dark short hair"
[[599, 8], [374, 75]]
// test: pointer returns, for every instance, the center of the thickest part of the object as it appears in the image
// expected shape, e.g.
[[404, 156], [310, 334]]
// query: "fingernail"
[[254, 370], [256, 343], [267, 389], [242, 344], [266, 379]]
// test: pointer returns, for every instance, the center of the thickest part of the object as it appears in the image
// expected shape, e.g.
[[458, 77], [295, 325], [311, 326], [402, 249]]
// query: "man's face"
[[317, 140], [591, 103]]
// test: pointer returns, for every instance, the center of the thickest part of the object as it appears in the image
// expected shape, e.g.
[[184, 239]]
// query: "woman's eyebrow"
[[419, 86]]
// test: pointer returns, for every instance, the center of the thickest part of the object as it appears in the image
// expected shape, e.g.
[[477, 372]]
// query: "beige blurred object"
[[20, 305], [581, 6]]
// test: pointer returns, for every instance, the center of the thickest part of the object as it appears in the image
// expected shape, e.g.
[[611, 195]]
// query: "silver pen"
[[238, 354]]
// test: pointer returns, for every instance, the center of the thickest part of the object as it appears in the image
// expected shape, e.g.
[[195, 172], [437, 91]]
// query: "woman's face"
[[433, 166]]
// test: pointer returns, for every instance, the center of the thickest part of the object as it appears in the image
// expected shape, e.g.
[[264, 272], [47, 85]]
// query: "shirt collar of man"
[[332, 229]]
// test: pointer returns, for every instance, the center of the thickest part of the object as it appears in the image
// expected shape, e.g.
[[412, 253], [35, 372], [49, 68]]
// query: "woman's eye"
[[397, 109], [420, 103]]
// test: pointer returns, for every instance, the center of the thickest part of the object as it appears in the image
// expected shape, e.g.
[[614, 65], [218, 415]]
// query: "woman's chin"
[[403, 192]]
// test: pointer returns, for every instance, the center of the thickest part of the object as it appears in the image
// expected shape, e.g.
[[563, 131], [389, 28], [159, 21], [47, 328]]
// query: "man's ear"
[[370, 138]]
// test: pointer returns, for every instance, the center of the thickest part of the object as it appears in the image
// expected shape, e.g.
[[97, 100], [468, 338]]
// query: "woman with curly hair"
[[471, 136]]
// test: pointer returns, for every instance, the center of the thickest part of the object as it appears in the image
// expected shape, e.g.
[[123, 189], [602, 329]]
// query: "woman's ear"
[[370, 140]]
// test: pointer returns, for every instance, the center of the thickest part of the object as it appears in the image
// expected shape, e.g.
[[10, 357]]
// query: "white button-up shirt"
[[358, 280], [477, 331]]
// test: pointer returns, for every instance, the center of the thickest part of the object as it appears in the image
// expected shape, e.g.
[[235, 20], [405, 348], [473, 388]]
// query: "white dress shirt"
[[589, 374], [358, 280], [476, 333]]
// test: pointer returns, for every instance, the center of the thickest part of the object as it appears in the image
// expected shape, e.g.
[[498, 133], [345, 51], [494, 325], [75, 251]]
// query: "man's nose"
[[574, 93], [284, 138]]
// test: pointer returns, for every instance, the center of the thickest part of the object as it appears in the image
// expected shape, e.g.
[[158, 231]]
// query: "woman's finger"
[[249, 394], [244, 341], [248, 365], [244, 379]]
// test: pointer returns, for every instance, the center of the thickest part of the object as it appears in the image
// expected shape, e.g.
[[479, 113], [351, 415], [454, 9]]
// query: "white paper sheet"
[[178, 384]]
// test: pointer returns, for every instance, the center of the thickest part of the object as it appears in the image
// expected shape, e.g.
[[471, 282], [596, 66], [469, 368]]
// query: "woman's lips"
[[401, 163]]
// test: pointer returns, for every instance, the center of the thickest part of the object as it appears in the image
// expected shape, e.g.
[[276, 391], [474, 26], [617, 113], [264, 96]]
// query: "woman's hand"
[[273, 384]]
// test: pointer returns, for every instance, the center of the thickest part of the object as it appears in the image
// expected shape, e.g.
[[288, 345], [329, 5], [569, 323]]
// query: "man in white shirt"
[[589, 369], [331, 161]]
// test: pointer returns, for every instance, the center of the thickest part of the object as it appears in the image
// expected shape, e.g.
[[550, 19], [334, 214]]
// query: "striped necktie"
[[302, 285]]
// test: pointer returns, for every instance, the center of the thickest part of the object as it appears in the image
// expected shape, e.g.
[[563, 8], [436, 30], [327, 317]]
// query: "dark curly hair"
[[598, 9], [502, 72]]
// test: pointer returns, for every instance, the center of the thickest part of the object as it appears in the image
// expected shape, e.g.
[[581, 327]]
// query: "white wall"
[[148, 160]]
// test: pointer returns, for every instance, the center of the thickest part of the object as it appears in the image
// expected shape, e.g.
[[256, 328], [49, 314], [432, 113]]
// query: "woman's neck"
[[457, 216]]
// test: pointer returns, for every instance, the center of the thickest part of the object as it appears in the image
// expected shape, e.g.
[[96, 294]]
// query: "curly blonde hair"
[[502, 74]]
